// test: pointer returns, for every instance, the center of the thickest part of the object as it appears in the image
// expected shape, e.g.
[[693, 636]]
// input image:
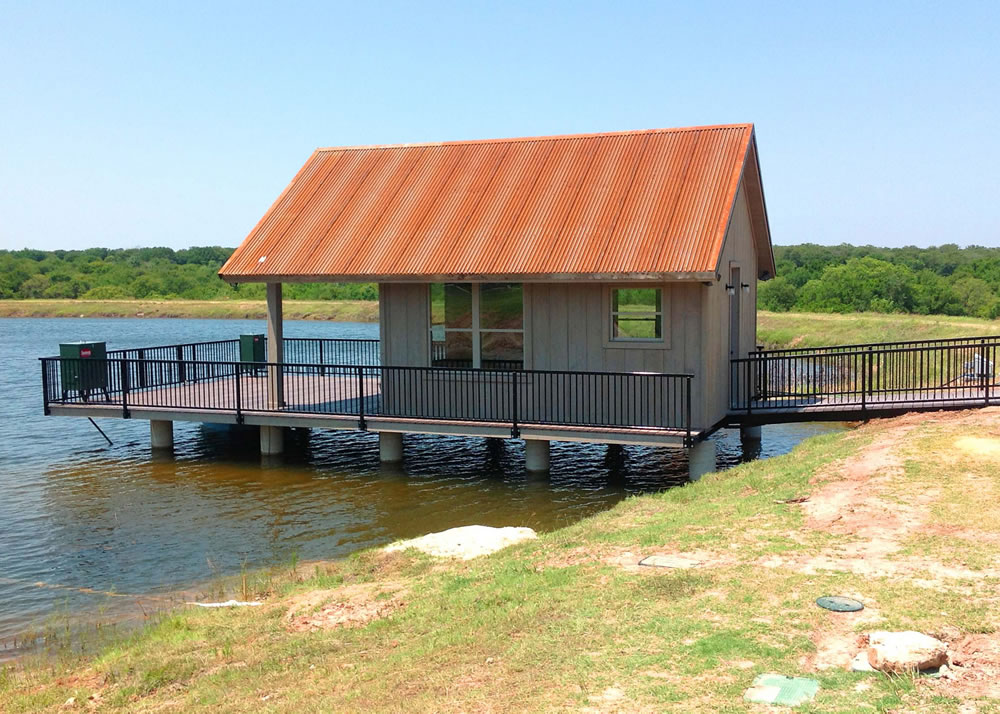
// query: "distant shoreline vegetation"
[[144, 274], [942, 280]]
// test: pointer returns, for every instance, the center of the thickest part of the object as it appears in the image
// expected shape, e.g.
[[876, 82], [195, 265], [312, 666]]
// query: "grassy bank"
[[902, 514], [810, 329], [334, 310]]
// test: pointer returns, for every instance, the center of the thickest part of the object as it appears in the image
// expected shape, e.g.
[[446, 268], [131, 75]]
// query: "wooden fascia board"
[[463, 277]]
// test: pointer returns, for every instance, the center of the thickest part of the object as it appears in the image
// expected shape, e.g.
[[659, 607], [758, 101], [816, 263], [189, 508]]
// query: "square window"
[[636, 314]]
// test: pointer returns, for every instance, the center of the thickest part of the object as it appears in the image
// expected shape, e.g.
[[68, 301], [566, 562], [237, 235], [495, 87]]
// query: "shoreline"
[[319, 310], [749, 551]]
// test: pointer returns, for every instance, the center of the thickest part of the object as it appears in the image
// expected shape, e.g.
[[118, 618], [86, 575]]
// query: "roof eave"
[[678, 276]]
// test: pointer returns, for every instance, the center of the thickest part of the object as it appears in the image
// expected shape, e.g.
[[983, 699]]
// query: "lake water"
[[78, 515]]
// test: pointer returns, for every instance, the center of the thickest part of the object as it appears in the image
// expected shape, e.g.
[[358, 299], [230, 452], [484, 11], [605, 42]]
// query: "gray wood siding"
[[570, 322], [738, 250], [567, 324], [404, 324]]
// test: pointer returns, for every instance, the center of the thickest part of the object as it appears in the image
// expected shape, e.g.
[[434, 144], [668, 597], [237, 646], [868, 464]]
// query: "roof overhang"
[[482, 278], [758, 212]]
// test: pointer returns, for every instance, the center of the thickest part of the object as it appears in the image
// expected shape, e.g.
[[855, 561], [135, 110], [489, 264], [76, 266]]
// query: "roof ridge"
[[525, 139]]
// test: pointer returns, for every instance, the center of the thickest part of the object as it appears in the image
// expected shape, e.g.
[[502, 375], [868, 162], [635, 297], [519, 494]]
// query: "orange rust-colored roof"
[[628, 205]]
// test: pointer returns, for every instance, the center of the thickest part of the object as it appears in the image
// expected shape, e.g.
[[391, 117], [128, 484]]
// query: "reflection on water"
[[78, 513]]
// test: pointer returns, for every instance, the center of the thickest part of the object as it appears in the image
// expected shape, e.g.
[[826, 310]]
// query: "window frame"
[[658, 343], [476, 328]]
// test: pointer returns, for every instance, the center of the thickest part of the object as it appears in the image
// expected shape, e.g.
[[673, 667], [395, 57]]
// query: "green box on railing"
[[84, 367]]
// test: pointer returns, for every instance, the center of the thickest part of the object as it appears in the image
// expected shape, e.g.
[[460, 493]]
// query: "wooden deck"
[[334, 401], [439, 402]]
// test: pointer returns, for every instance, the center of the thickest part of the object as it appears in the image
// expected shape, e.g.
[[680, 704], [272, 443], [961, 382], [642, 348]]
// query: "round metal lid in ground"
[[839, 603]]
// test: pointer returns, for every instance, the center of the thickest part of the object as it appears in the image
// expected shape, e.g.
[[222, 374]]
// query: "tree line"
[[945, 279], [941, 280], [144, 273]]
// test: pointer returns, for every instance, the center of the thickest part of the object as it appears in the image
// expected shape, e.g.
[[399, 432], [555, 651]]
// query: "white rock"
[[465, 542], [227, 603], [670, 561], [861, 664], [905, 651]]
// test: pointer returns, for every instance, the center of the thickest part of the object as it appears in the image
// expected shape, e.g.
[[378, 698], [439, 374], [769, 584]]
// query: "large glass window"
[[451, 325], [477, 325], [636, 314], [501, 324]]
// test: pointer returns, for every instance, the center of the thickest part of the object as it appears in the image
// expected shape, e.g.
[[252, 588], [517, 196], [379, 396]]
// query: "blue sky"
[[137, 124]]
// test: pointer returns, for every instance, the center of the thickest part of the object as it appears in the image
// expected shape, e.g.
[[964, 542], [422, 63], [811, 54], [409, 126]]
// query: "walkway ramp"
[[855, 382]]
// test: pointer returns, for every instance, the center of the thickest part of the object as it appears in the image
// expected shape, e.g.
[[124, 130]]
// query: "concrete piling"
[[701, 459], [272, 440], [161, 434], [536, 455], [390, 447]]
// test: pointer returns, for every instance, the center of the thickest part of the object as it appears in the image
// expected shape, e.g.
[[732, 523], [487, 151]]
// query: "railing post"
[[866, 376], [763, 375], [123, 364], [687, 409], [984, 382], [142, 368], [747, 389], [362, 425], [322, 369], [45, 388], [734, 400], [515, 432], [239, 394]]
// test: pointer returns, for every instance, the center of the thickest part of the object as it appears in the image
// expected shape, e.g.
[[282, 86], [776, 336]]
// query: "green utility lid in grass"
[[782, 691], [839, 603]]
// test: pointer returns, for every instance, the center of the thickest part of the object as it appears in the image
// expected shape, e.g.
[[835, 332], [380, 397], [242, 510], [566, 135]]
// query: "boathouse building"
[[597, 287], [619, 252]]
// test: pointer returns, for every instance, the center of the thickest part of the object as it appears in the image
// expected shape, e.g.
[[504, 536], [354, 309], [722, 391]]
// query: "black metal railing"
[[509, 397], [196, 361], [333, 351], [953, 372], [902, 344], [176, 364]]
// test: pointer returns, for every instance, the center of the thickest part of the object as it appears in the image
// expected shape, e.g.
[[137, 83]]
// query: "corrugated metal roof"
[[617, 205]]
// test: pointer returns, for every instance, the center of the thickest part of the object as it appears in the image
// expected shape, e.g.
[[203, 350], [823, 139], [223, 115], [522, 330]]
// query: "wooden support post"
[[275, 347]]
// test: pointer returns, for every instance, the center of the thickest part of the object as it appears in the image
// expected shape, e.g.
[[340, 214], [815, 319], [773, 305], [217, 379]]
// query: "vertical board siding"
[[569, 328], [405, 324], [739, 248]]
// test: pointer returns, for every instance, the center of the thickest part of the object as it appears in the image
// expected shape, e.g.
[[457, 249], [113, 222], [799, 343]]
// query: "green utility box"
[[252, 349], [84, 368]]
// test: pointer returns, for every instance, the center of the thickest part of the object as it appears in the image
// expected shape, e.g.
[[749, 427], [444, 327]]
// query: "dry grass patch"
[[349, 606]]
